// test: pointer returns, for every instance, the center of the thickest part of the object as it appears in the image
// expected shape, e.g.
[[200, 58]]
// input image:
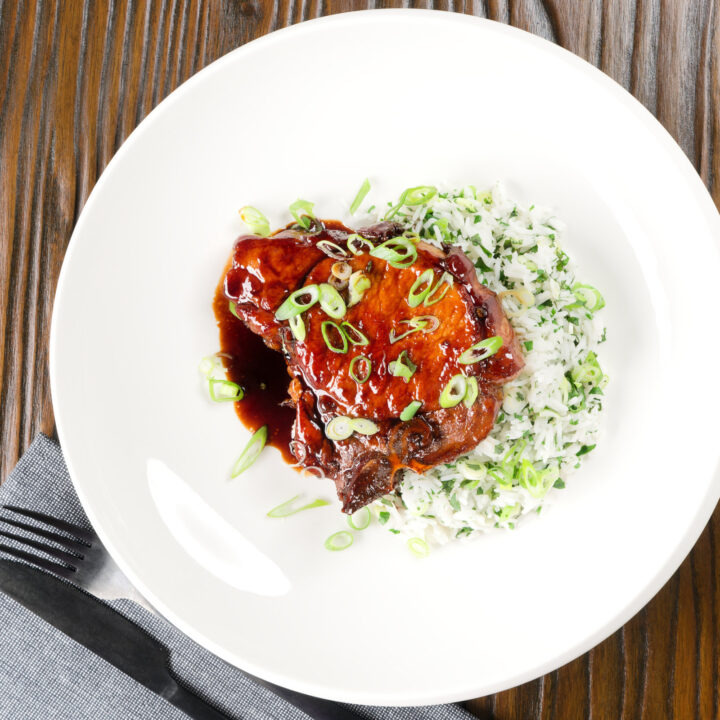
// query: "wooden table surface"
[[77, 77]]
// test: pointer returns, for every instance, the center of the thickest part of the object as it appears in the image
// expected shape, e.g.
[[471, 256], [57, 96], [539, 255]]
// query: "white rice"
[[544, 416]]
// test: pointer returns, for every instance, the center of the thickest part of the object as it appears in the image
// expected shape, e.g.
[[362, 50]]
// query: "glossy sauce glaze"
[[261, 372], [265, 355]]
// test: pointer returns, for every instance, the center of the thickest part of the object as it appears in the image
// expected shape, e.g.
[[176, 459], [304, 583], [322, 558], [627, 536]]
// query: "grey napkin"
[[44, 675]]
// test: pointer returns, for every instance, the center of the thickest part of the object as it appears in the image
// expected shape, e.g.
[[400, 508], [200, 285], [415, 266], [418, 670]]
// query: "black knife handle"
[[192, 705]]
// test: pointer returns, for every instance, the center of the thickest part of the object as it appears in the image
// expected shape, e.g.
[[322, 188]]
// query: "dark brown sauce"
[[261, 372]]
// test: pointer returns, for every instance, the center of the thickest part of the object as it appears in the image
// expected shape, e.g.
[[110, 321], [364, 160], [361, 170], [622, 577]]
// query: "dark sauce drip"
[[261, 372]]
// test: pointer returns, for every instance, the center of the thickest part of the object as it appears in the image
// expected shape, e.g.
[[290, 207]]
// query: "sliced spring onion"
[[339, 428], [356, 244], [410, 410], [471, 392], [403, 367], [341, 270], [454, 391], [286, 509], [419, 195], [536, 482], [589, 296], [364, 426], [509, 462], [360, 520], [482, 350], [337, 283], [418, 547], [257, 223], [249, 455], [295, 304], [362, 192], [421, 323], [208, 365], [353, 334], [412, 196], [358, 284], [302, 211], [332, 249], [472, 471], [233, 310], [297, 326], [360, 377], [400, 252], [587, 372], [224, 390], [324, 328], [331, 301], [417, 292], [339, 541], [502, 476], [509, 512], [439, 291]]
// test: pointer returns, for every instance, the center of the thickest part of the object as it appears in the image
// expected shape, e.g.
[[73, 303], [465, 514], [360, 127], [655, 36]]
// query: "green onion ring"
[[403, 367], [339, 428], [331, 301], [419, 195], [233, 309], [361, 193], [353, 334], [250, 453], [471, 392], [410, 411], [414, 297], [418, 547], [302, 218], [339, 541], [420, 323], [360, 520], [443, 285], [208, 365], [297, 326], [286, 510], [363, 426], [454, 391], [338, 349], [358, 284], [412, 196], [386, 251], [588, 296], [359, 241], [220, 390], [482, 350], [257, 223], [332, 249], [368, 364], [293, 306]]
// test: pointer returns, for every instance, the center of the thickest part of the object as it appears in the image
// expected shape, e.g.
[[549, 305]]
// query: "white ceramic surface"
[[403, 97]]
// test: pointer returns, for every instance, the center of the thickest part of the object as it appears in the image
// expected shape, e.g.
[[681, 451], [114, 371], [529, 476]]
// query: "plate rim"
[[690, 177]]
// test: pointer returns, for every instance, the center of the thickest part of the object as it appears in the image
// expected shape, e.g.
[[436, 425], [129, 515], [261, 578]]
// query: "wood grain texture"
[[77, 77]]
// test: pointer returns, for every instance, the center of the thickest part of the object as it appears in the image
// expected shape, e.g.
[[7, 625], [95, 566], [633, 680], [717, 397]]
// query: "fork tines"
[[65, 548]]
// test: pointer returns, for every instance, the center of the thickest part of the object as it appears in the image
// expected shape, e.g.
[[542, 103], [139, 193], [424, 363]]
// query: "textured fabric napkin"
[[45, 675]]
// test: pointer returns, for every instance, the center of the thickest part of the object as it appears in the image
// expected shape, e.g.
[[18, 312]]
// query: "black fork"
[[66, 550]]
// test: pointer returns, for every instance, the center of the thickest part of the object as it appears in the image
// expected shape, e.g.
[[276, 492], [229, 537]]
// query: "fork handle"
[[192, 705]]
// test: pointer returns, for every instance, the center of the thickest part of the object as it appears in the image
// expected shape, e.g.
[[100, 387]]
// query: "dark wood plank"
[[76, 77]]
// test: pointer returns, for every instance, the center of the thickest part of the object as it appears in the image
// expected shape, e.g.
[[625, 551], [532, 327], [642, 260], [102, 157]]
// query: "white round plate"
[[405, 98]]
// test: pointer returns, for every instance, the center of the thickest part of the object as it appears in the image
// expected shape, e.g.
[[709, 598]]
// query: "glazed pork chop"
[[396, 353]]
